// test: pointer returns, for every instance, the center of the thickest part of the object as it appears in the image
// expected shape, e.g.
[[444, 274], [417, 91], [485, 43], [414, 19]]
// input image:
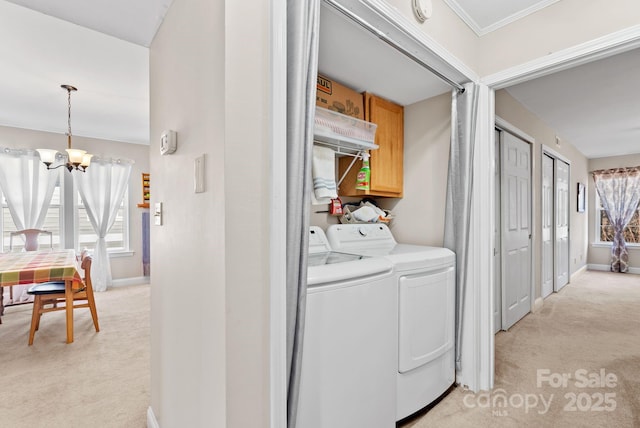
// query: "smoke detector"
[[422, 9]]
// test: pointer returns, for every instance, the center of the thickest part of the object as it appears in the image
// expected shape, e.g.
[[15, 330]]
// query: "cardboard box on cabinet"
[[336, 97]]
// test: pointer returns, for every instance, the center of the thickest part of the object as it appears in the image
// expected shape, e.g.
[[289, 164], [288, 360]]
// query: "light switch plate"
[[157, 214], [199, 174]]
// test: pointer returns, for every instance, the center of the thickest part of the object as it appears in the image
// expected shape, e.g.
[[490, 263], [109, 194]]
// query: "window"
[[52, 223], [117, 238], [604, 230]]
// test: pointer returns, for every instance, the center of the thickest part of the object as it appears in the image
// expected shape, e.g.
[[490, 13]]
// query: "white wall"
[[419, 216], [562, 25], [247, 196], [121, 267], [188, 309], [602, 255], [209, 82], [513, 112], [446, 28]]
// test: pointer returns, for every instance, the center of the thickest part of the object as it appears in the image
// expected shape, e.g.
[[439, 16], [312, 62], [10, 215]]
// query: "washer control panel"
[[342, 236], [318, 242]]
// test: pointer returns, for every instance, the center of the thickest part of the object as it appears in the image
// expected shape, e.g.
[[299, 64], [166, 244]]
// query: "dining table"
[[29, 267]]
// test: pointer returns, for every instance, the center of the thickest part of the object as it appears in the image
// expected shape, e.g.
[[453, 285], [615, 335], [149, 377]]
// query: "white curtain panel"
[[27, 185], [303, 23], [619, 192], [464, 112], [102, 188]]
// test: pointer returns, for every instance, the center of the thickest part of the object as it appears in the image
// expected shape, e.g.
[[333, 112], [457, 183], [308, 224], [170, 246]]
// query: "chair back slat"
[[30, 237]]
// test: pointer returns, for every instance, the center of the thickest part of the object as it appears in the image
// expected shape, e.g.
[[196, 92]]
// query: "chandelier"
[[77, 159]]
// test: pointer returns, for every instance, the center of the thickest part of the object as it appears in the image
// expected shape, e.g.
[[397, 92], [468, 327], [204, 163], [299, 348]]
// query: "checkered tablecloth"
[[38, 266]]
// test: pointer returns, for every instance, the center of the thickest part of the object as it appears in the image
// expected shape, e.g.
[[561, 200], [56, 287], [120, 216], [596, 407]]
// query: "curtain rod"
[[364, 24]]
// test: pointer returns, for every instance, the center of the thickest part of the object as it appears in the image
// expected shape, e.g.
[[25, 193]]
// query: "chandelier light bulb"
[[75, 156], [47, 156]]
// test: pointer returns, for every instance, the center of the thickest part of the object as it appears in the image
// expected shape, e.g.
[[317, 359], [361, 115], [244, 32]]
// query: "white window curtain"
[[619, 192], [102, 188], [27, 186]]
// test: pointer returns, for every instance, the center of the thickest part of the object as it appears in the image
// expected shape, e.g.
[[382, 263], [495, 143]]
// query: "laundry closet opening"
[[366, 79], [357, 59]]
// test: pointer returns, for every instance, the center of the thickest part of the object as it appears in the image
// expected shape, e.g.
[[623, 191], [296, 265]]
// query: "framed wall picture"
[[581, 198]]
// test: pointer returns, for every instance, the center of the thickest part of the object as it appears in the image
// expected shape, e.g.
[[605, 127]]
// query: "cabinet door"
[[387, 161]]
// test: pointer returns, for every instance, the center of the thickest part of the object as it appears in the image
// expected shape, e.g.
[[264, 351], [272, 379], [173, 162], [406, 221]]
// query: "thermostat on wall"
[[168, 142]]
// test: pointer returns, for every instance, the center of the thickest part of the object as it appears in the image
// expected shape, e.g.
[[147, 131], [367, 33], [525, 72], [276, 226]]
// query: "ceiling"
[[101, 47], [596, 106], [489, 15], [98, 46], [134, 21], [356, 58]]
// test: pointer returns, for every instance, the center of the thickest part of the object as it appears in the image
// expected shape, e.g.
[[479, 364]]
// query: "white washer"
[[425, 278], [348, 376]]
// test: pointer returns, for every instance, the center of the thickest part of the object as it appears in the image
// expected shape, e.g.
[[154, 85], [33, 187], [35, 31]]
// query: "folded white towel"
[[324, 175]]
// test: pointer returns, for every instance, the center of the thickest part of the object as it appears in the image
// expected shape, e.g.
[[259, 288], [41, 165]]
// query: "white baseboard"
[[123, 282], [537, 304], [578, 272], [607, 268], [152, 422]]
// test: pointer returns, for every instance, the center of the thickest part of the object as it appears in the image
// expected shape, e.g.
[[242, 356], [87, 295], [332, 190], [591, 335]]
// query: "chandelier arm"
[[55, 167]]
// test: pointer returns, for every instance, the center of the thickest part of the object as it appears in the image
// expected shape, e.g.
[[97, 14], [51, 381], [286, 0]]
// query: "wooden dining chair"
[[53, 293]]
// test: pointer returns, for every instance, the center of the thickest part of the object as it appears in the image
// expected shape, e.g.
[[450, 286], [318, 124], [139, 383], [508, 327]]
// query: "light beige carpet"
[[576, 363], [100, 380]]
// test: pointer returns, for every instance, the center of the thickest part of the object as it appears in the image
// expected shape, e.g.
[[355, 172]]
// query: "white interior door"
[[516, 229], [561, 224], [497, 253], [547, 225]]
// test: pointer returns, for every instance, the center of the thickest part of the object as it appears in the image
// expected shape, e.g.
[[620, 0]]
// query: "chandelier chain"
[[69, 110]]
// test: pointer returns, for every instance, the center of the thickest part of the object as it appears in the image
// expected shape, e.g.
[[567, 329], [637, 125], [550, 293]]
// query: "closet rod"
[[364, 24]]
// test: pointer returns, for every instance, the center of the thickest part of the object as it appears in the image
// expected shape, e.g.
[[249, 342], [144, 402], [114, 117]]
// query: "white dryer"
[[425, 278], [348, 361]]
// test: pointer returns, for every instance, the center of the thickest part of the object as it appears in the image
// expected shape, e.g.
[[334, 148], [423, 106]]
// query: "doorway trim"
[[593, 50], [277, 222], [549, 151], [546, 150], [505, 126]]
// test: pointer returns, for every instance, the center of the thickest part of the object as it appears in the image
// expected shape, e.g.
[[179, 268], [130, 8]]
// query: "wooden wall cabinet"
[[386, 162], [146, 190]]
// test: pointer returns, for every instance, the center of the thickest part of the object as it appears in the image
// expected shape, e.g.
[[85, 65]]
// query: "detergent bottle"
[[363, 179]]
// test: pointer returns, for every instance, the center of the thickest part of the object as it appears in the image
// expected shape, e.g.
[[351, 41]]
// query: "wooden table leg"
[[1, 303], [68, 294]]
